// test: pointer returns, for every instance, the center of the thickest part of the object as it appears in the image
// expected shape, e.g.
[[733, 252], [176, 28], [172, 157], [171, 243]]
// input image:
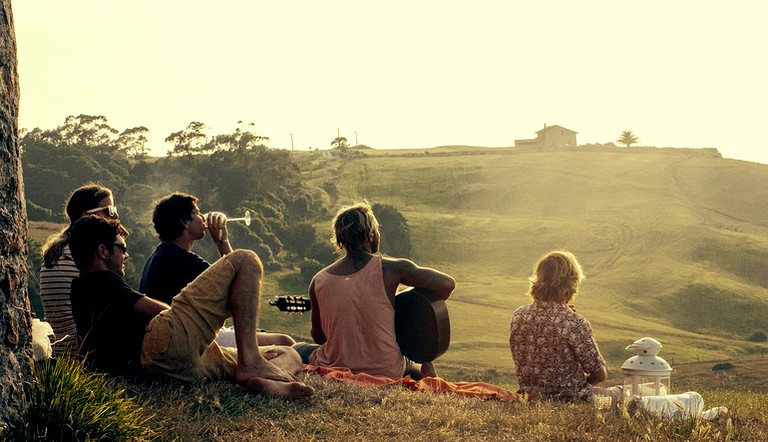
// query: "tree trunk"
[[15, 340]]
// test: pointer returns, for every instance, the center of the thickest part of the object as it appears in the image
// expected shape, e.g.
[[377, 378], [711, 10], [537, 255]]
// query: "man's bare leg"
[[267, 338], [284, 357], [428, 370], [244, 299], [424, 370]]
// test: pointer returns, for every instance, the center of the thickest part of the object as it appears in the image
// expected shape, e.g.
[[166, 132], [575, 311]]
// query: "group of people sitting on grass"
[[170, 325]]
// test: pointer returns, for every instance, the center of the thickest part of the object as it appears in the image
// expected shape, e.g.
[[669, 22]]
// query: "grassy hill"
[[674, 242]]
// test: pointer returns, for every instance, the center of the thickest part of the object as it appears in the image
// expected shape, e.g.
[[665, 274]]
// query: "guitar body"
[[422, 325]]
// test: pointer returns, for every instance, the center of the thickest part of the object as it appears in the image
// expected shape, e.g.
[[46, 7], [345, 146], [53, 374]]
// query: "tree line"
[[230, 173]]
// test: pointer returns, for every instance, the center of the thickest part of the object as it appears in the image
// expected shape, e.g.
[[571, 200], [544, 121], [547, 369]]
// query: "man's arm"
[[405, 271], [150, 307], [317, 329]]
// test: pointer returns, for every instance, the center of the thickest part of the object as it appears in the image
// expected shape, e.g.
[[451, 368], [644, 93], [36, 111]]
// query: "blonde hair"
[[556, 277], [353, 226]]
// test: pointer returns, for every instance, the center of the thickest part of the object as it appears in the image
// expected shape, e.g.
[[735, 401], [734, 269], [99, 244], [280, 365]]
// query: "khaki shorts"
[[180, 341]]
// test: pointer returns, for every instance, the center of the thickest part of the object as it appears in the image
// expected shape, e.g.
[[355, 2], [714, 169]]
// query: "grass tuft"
[[68, 403]]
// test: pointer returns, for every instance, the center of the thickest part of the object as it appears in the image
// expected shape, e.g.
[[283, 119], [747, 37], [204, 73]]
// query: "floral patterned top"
[[553, 347]]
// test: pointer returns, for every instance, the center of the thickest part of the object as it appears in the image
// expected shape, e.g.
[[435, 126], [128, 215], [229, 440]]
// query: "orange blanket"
[[436, 385]]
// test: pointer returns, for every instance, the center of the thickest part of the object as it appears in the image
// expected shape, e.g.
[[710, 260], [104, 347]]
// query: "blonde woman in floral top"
[[554, 349]]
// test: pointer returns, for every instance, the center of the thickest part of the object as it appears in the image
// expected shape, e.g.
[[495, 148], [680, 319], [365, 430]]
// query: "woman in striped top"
[[59, 269]]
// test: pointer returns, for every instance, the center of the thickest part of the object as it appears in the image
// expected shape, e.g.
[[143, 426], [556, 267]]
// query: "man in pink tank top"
[[353, 299]]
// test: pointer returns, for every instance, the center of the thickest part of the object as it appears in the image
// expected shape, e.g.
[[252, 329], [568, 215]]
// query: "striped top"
[[55, 286]]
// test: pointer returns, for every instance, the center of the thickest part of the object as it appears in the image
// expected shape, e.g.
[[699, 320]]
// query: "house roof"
[[553, 127]]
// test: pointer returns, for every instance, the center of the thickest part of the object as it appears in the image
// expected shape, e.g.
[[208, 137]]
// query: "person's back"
[[358, 320], [553, 347], [548, 342], [168, 270], [358, 330], [55, 287], [112, 331]]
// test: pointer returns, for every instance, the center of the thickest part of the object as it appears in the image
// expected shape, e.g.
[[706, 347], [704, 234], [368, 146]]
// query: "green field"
[[674, 242]]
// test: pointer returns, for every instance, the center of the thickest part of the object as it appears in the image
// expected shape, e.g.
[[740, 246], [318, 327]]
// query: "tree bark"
[[15, 322]]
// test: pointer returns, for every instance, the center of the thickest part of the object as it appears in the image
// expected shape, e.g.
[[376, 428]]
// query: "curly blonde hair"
[[556, 277]]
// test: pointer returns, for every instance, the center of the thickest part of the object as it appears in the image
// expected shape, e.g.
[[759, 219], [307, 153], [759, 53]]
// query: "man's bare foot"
[[428, 370], [286, 390], [421, 371]]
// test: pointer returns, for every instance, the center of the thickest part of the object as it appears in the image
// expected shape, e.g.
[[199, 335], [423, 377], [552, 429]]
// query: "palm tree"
[[627, 138]]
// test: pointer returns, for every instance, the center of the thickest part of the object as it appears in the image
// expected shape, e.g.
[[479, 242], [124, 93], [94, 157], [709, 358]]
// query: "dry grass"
[[223, 412]]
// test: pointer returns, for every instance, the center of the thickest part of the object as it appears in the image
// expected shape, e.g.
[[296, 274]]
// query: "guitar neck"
[[290, 303]]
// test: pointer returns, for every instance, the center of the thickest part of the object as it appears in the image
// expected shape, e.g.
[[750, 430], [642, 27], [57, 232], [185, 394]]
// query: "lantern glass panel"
[[644, 385]]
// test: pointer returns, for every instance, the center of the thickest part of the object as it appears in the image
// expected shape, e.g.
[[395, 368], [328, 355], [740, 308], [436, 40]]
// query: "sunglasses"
[[112, 210]]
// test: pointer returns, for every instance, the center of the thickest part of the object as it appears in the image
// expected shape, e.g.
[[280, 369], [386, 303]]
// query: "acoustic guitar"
[[422, 324]]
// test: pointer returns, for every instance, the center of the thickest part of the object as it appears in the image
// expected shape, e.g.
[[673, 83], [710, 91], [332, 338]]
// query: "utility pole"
[[356, 143], [291, 141]]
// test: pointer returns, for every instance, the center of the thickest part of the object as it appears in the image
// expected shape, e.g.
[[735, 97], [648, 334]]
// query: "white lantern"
[[645, 374]]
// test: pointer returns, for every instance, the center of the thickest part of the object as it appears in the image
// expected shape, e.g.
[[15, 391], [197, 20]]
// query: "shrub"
[[395, 233], [38, 213], [67, 403], [758, 336], [308, 268], [722, 366]]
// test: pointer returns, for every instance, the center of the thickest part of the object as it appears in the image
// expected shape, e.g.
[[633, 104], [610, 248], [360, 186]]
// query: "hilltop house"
[[550, 136]]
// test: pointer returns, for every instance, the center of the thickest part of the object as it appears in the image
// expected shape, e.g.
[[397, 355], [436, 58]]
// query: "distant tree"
[[395, 234], [298, 237], [758, 336], [91, 132], [68, 167], [627, 138], [239, 140], [133, 142], [308, 268], [323, 252], [340, 143], [188, 141]]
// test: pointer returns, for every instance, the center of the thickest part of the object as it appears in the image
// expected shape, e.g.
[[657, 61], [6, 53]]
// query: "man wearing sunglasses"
[[124, 330]]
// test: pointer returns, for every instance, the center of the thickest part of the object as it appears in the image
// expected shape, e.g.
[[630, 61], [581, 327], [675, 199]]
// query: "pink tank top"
[[359, 323]]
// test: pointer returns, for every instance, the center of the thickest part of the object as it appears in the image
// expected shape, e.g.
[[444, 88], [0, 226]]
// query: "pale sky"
[[403, 74]]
